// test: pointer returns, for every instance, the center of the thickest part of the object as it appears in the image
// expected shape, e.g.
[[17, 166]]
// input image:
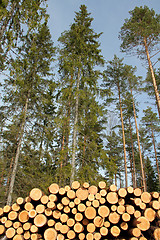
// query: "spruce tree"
[[151, 124], [17, 17], [27, 87], [151, 178], [90, 149], [114, 150], [114, 78], [133, 83], [79, 57]]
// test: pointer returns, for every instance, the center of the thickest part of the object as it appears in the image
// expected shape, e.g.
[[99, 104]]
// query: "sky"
[[109, 16]]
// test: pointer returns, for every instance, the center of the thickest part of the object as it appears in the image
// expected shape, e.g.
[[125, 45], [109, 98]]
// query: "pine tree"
[[148, 85], [141, 33], [133, 83], [130, 135]]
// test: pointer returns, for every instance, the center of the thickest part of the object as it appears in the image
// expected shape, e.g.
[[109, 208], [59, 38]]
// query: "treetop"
[[144, 23]]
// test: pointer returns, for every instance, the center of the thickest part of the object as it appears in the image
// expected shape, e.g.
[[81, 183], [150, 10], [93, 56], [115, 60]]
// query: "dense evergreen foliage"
[[77, 120]]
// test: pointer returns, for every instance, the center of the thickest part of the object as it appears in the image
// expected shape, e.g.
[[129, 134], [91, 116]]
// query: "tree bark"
[[13, 176], [139, 147], [9, 173], [41, 143], [74, 141], [131, 165], [84, 151], [62, 157], [124, 142], [153, 77], [155, 152], [133, 159]]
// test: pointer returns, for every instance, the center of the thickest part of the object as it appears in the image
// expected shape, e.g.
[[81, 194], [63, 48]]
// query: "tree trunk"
[[67, 134], [155, 152], [131, 165], [2, 177], [139, 148], [115, 179], [11, 163], [13, 176], [120, 180], [74, 141], [124, 142], [84, 151], [62, 157], [133, 159], [153, 77], [41, 144], [9, 173]]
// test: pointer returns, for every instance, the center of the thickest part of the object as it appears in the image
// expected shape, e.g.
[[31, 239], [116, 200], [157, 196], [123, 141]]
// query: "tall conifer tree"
[[27, 86], [151, 124], [114, 78], [141, 33], [79, 56], [133, 82], [16, 17]]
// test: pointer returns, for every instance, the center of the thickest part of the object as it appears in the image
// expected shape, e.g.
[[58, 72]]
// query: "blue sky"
[[109, 16]]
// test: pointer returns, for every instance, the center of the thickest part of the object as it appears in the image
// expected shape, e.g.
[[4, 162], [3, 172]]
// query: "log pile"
[[83, 212]]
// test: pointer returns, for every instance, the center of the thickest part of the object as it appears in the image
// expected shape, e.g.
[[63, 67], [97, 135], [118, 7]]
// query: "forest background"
[[43, 140]]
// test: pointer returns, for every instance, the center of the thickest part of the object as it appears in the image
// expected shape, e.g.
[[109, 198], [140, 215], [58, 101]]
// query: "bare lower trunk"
[[115, 179], [155, 153], [124, 142], [139, 147], [131, 166], [74, 141], [120, 180], [41, 143], [9, 173], [84, 151], [61, 163], [133, 159], [68, 125], [153, 78], [2, 177], [15, 164]]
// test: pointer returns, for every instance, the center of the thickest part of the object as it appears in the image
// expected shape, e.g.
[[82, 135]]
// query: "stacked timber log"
[[83, 212]]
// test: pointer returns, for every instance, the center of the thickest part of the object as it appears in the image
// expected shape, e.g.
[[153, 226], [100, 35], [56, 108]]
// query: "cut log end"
[[90, 212], [23, 216], [142, 223], [35, 194], [115, 231], [40, 220], [50, 234], [53, 188], [75, 185]]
